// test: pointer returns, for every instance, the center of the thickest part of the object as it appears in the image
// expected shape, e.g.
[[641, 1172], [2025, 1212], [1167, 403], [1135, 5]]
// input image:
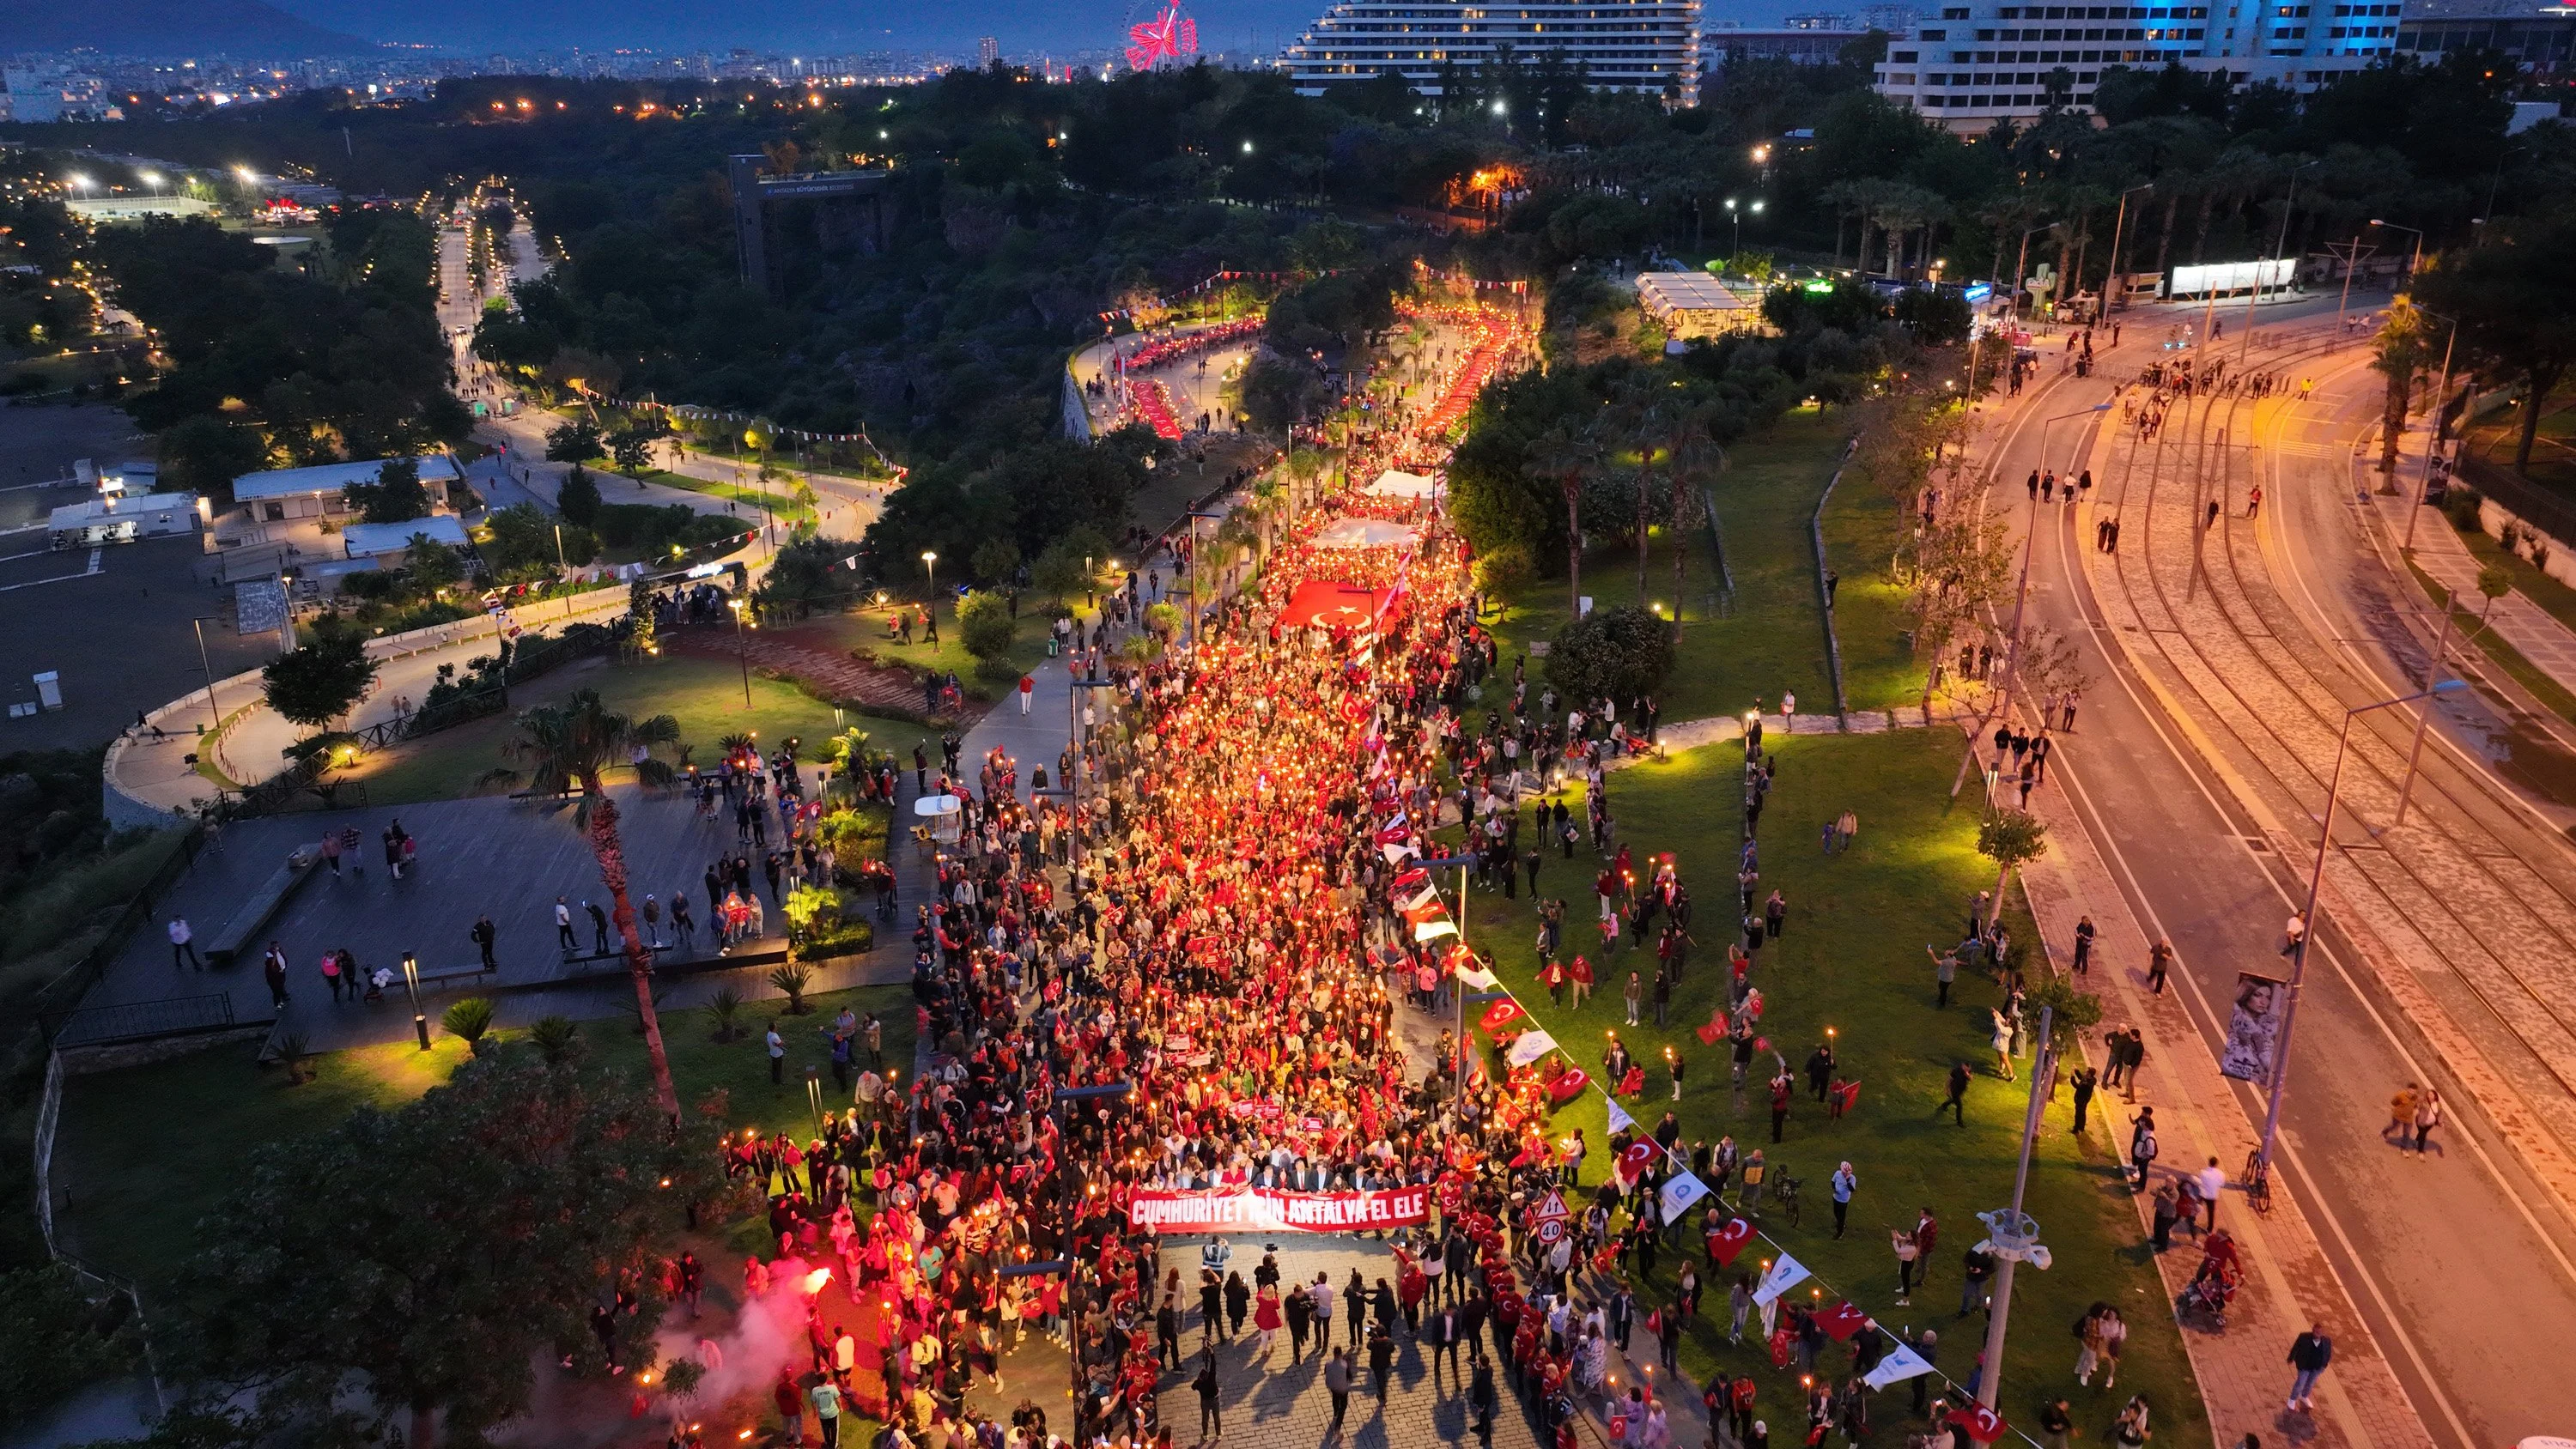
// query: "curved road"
[[2222, 658]]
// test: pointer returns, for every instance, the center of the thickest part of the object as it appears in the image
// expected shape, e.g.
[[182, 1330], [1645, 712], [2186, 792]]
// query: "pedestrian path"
[[2534, 632], [2290, 1283]]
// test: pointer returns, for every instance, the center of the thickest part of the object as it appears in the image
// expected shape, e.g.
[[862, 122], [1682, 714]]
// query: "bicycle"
[[1786, 1194], [2258, 1183]]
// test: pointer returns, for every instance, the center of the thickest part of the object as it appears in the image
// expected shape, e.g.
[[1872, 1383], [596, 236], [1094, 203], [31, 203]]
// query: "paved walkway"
[[2290, 1284], [2534, 632]]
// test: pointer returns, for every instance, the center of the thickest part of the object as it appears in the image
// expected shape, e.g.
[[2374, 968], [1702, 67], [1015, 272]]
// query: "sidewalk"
[[2289, 1282], [2534, 632]]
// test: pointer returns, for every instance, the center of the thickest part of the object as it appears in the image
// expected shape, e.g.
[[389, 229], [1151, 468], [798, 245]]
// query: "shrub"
[[1619, 654], [1505, 571], [793, 980], [723, 1007], [470, 1019], [556, 1038], [2461, 506], [985, 626]]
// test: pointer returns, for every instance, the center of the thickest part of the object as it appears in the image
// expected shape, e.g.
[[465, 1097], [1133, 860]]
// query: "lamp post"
[[2111, 282], [2433, 442], [2280, 1083], [411, 982], [1195, 516], [2021, 592], [2253, 294], [215, 719], [1462, 863], [930, 573], [2021, 267], [742, 647], [2012, 1238], [2416, 259], [1737, 216]]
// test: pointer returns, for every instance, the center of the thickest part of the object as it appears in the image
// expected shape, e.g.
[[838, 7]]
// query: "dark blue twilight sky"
[[834, 26]]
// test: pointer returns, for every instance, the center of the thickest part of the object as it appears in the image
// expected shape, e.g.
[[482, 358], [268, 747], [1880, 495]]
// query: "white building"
[[1651, 46], [283, 495], [1986, 61], [389, 543], [119, 519]]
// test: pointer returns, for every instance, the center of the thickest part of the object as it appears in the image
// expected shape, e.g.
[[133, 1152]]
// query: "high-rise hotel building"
[[1651, 46]]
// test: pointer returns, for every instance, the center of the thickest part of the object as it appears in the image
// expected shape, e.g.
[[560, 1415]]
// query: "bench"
[[242, 932]]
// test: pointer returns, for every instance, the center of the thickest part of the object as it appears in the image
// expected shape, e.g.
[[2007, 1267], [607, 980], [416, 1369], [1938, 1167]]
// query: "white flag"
[[1396, 854], [1529, 1046], [1433, 930], [1478, 977], [1785, 1274], [1680, 1192], [1619, 1118], [1901, 1364]]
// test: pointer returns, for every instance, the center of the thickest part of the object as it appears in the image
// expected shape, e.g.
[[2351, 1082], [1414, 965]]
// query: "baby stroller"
[[2214, 1286]]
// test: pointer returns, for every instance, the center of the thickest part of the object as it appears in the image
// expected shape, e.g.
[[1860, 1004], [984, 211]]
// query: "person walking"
[[1211, 1421], [827, 1409], [2142, 1148], [2159, 961], [598, 928], [777, 1054], [563, 927], [1381, 1351], [2083, 1080], [483, 934], [1337, 1383], [2401, 1114], [2311, 1353], [1957, 1101], [183, 946], [2428, 1115], [1028, 692], [331, 975], [2209, 1182], [273, 966], [1845, 1182]]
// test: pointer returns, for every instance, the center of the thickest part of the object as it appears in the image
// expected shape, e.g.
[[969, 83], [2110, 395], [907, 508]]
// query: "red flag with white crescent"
[[1633, 1162], [1983, 1424], [1501, 1013], [1729, 1240], [1842, 1321]]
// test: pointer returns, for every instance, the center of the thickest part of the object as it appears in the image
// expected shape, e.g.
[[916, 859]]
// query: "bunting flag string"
[[1685, 1188]]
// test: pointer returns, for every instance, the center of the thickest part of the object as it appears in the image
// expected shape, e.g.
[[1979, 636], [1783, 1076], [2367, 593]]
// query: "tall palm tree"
[[1689, 445], [2400, 354], [571, 744], [1567, 458]]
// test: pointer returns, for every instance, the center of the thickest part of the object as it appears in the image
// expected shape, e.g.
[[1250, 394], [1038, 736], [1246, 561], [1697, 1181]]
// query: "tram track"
[[2457, 886]]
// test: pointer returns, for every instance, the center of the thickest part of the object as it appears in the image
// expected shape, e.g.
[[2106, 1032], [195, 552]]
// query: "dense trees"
[[278, 367]]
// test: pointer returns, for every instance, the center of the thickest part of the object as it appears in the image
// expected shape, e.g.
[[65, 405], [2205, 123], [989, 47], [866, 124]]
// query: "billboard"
[[2272, 274]]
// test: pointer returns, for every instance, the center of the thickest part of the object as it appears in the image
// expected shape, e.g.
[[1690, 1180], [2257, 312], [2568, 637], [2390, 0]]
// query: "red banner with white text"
[[1262, 1210]]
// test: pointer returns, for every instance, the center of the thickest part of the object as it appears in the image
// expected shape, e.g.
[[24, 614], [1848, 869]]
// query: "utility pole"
[[2012, 1237]]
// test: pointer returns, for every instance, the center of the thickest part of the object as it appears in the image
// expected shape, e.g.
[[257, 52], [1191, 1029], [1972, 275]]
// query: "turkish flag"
[[1716, 1028], [1633, 1083], [1842, 1321], [1729, 1240], [1567, 1085], [1501, 1014], [1984, 1425], [1633, 1162]]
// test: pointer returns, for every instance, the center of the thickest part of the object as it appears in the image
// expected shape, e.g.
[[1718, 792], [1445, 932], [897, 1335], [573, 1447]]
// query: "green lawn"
[[865, 628], [704, 694], [2557, 599], [1773, 637], [1863, 526], [1852, 959], [139, 1188]]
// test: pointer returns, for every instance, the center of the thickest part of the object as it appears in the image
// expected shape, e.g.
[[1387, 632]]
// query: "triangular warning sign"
[[1551, 1209]]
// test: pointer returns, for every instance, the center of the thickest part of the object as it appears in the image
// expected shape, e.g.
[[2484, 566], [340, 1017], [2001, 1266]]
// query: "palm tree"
[[1567, 458], [570, 744], [1689, 445], [2400, 354]]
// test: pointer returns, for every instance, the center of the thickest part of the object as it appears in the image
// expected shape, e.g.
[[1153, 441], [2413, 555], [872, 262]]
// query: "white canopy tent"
[[1365, 533], [1395, 483]]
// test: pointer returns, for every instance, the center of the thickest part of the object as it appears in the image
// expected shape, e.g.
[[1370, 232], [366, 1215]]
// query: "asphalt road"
[[2462, 1263]]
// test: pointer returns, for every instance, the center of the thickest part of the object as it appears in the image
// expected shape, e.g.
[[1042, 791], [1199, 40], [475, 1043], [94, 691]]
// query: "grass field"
[[1772, 638], [138, 1188], [1863, 526], [705, 695], [1852, 959]]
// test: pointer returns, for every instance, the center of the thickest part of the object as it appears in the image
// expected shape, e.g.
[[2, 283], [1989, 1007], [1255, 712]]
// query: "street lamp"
[[2432, 442], [2021, 267], [742, 645], [2114, 280], [411, 981], [1195, 516], [2011, 1237], [930, 571], [2417, 259], [2021, 594], [2308, 920], [2253, 294]]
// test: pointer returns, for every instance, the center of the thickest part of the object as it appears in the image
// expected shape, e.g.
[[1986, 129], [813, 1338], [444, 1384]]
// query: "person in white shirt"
[[2210, 1181], [183, 947]]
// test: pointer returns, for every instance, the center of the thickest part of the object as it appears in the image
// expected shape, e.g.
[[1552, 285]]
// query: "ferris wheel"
[[1166, 35]]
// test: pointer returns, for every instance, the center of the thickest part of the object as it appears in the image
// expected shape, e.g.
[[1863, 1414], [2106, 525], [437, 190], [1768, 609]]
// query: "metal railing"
[[59, 994], [133, 1021], [1717, 545], [2535, 505], [1824, 599]]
